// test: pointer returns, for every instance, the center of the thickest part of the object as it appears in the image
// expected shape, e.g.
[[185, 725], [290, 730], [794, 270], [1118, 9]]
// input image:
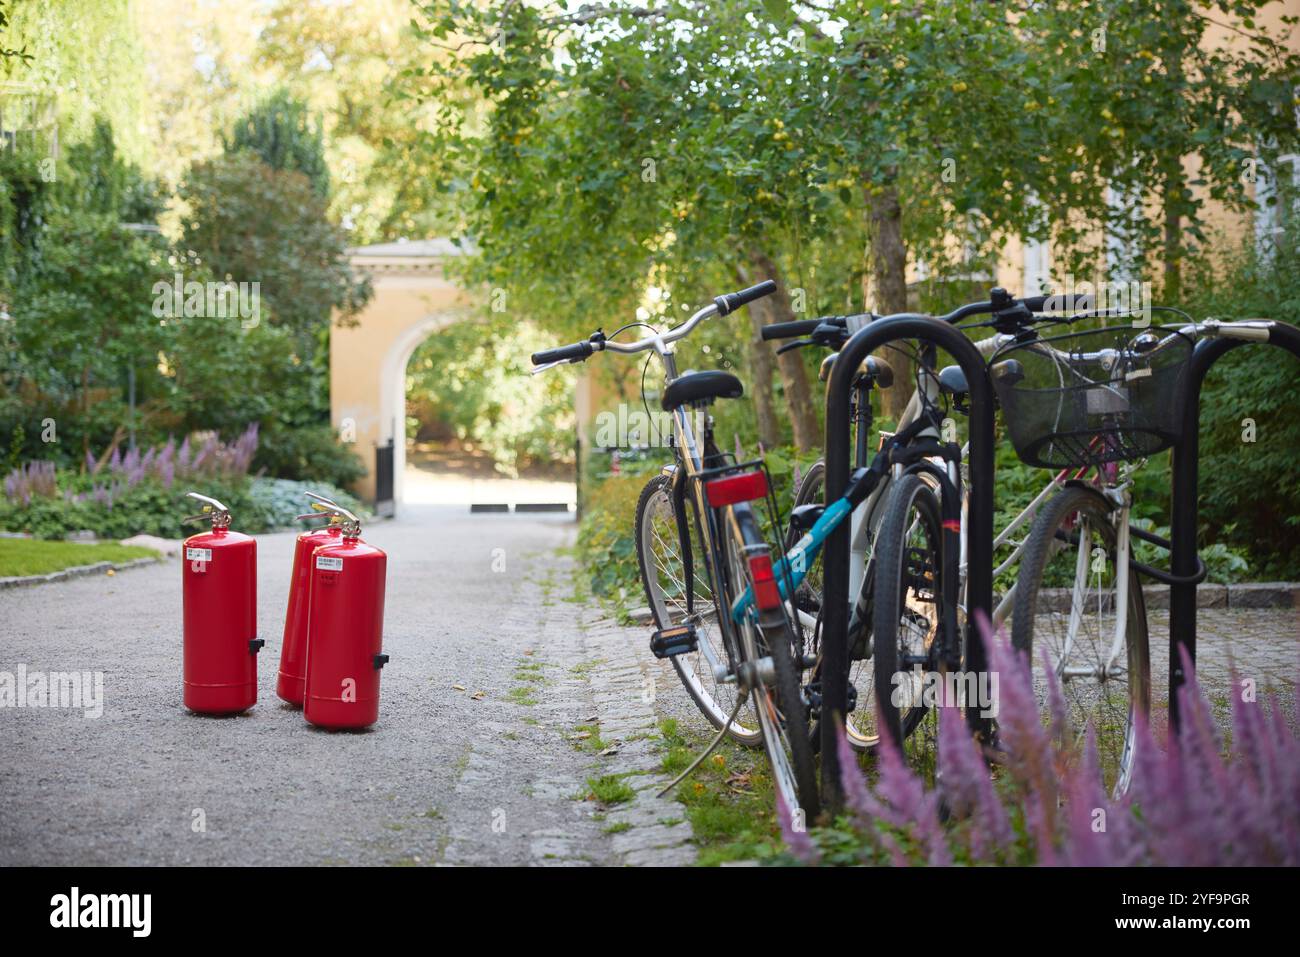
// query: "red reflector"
[[766, 593], [744, 487]]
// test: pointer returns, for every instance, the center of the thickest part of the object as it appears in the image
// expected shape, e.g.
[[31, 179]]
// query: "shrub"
[[277, 502], [1188, 805], [307, 453], [1255, 383], [607, 537], [123, 494]]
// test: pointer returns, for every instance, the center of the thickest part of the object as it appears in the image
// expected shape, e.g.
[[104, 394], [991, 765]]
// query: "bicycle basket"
[[1094, 396]]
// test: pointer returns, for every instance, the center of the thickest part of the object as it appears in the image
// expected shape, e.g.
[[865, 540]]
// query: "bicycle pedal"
[[677, 640]]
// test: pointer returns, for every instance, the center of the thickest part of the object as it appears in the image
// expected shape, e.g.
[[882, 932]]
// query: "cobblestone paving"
[[626, 681], [1261, 644]]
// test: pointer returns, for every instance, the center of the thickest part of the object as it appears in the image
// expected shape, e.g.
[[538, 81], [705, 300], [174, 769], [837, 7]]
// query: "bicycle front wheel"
[[1068, 602]]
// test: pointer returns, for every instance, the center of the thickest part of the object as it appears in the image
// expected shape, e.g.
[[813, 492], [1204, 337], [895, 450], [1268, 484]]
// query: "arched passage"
[[412, 298]]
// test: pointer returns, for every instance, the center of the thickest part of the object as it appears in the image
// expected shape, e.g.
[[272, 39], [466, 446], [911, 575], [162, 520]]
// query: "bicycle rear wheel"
[[1101, 661], [778, 697]]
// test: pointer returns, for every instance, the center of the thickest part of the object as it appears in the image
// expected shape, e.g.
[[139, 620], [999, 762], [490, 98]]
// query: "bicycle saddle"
[[952, 380], [701, 387], [877, 369]]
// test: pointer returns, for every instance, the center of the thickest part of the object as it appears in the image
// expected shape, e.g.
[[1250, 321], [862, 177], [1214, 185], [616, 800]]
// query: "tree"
[[76, 282], [280, 131], [1192, 103], [251, 223], [581, 184], [5, 52]]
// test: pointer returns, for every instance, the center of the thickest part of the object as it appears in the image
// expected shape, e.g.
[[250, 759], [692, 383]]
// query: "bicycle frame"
[[691, 453]]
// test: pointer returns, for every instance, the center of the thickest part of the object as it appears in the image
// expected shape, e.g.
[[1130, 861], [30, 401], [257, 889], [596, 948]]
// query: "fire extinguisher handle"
[[255, 645], [337, 514], [212, 510], [380, 661]]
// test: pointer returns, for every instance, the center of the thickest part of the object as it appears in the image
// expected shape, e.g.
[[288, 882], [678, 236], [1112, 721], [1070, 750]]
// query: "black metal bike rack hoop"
[[979, 519], [1183, 518]]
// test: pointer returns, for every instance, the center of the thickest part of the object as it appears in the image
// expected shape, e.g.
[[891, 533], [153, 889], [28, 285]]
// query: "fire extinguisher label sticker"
[[198, 554], [329, 564]]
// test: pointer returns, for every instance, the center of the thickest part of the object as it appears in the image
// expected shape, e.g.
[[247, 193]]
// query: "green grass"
[[30, 556], [521, 696], [619, 827], [610, 789], [592, 743], [729, 799]]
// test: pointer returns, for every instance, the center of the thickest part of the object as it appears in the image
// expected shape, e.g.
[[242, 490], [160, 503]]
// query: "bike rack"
[[979, 521], [1183, 518]]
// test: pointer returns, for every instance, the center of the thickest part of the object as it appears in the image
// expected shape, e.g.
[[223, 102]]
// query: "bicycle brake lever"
[[797, 344]]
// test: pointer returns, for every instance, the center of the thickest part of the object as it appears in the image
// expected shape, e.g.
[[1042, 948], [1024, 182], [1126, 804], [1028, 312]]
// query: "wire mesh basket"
[[1094, 396]]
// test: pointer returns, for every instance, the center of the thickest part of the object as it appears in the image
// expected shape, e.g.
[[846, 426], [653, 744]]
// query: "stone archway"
[[412, 298]]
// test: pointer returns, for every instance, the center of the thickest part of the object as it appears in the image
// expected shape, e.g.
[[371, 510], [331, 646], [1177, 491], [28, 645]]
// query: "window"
[[1272, 188]]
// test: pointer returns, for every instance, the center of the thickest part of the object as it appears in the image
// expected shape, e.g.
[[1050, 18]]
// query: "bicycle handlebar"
[[999, 302], [734, 300], [789, 330], [720, 306], [573, 353]]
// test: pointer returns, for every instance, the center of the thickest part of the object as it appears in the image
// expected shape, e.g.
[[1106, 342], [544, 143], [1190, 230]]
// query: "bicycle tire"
[[778, 638], [890, 558], [1030, 613]]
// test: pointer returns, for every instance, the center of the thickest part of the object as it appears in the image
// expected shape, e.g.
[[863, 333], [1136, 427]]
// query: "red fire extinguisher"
[[345, 630], [219, 589], [292, 678]]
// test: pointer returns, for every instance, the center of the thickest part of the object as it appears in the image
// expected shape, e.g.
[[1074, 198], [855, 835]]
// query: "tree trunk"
[[760, 374], [759, 356], [798, 395], [886, 293], [1173, 282]]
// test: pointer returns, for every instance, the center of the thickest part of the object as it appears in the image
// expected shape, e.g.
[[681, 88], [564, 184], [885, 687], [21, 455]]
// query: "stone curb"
[[1208, 595], [655, 832], [76, 571]]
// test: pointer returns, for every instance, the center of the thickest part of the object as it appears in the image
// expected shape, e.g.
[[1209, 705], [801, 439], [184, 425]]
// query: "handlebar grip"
[[789, 330], [734, 300], [579, 350]]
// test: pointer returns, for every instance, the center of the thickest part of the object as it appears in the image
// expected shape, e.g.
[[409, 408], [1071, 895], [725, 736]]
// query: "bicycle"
[[1105, 399], [897, 545], [1095, 404], [703, 502], [922, 423]]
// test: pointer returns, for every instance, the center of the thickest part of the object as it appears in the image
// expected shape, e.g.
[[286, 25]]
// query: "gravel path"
[[446, 776]]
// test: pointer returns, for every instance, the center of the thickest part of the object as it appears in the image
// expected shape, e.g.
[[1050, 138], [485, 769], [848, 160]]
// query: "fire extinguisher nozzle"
[[380, 661], [255, 644]]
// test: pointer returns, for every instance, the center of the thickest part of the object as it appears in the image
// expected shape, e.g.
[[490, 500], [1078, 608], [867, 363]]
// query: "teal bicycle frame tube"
[[793, 568]]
